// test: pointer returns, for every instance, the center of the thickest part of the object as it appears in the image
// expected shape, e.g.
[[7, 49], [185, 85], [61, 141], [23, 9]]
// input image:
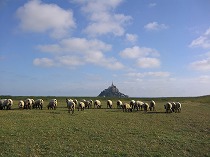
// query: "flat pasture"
[[107, 132]]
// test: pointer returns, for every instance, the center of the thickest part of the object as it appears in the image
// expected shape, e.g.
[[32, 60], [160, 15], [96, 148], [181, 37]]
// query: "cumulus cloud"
[[149, 74], [102, 18], [136, 52], [203, 41], [148, 62], [131, 37], [80, 51], [145, 57], [36, 16], [76, 45], [201, 65], [155, 26], [45, 62]]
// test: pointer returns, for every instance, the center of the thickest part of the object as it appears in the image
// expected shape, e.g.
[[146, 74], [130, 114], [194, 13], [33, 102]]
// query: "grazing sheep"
[[28, 103], [81, 106], [69, 100], [75, 101], [145, 107], [70, 105], [119, 104], [21, 104], [9, 104], [97, 104], [2, 103], [6, 104], [127, 107], [91, 103], [168, 107], [139, 105], [109, 104], [173, 106], [88, 104], [39, 104], [152, 105], [178, 107], [132, 103], [52, 104]]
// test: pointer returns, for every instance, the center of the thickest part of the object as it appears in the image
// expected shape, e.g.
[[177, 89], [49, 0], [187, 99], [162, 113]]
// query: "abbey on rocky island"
[[112, 91]]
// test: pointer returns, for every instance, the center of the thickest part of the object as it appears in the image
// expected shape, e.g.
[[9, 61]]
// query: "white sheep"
[[6, 104], [132, 103], [70, 105], [88, 104], [91, 102], [178, 107], [75, 101], [152, 105], [28, 103], [97, 103], [109, 104], [146, 107], [139, 105], [21, 104], [119, 104], [173, 106], [127, 107], [2, 103], [52, 104], [39, 103], [81, 106], [67, 100], [9, 104], [168, 107]]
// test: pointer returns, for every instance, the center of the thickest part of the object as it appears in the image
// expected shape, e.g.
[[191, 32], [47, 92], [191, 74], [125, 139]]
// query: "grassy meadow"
[[107, 132]]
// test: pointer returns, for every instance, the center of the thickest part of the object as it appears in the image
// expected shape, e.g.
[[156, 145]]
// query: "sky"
[[147, 48]]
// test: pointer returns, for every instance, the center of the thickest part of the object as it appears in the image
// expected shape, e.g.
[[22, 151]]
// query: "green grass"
[[107, 132]]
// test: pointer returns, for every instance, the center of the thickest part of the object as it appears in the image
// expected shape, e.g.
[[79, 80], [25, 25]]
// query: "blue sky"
[[148, 48]]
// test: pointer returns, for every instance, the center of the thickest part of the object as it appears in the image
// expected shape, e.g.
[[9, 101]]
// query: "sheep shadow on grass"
[[114, 110], [155, 112]]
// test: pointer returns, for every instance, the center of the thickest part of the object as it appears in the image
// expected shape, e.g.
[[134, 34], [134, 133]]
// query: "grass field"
[[107, 132]]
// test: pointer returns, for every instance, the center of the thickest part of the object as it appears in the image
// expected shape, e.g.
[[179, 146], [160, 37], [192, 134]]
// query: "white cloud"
[[36, 16], [145, 57], [53, 48], [155, 26], [149, 74], [69, 61], [151, 5], [45, 62], [201, 65], [203, 41], [137, 52], [148, 62], [80, 51], [131, 37], [76, 45], [204, 79], [102, 18]]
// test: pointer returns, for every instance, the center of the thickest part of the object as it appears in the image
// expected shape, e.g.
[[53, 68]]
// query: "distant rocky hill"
[[112, 91]]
